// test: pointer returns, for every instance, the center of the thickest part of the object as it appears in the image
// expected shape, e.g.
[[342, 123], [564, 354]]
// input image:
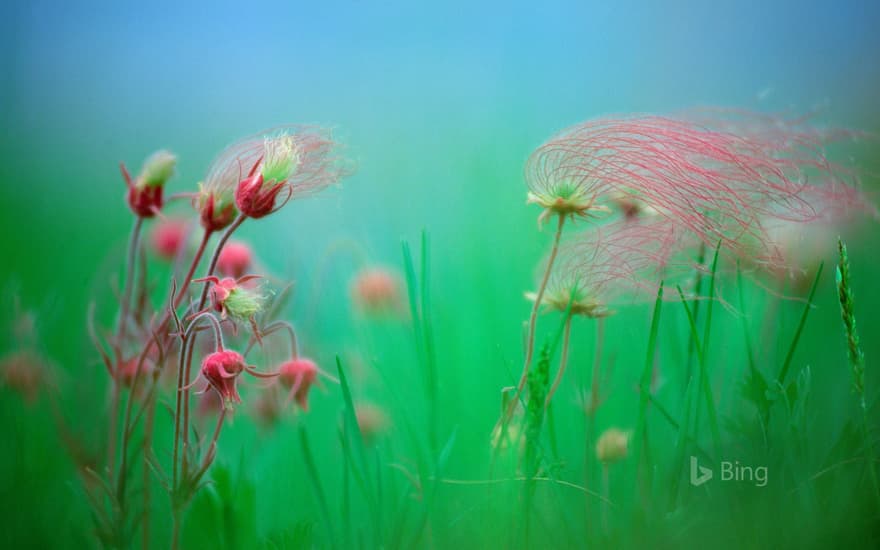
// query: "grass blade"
[[797, 334]]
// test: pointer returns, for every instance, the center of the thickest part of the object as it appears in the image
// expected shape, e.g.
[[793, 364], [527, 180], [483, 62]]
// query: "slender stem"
[[148, 443], [129, 279], [563, 361], [206, 236], [597, 360], [175, 530], [122, 324], [533, 317], [216, 256]]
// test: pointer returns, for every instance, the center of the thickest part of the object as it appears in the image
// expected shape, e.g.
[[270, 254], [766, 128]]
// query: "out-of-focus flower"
[[169, 237], [25, 372], [297, 376], [372, 421], [375, 290], [145, 191], [235, 259], [612, 446]]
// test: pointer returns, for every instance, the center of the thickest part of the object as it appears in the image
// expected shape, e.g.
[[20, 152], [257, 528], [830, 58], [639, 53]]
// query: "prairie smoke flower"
[[375, 290], [221, 370], [298, 375], [612, 446], [624, 260], [128, 369], [235, 259], [715, 183], [169, 237], [261, 171], [232, 299], [145, 191]]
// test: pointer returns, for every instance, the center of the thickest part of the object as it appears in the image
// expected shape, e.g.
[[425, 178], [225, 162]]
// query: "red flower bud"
[[215, 214], [255, 197], [145, 201]]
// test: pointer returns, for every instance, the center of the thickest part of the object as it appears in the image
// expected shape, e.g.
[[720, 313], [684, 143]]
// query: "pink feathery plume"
[[619, 263], [718, 185]]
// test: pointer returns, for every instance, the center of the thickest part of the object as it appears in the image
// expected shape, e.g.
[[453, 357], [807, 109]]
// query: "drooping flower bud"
[[145, 191], [169, 236], [298, 375], [221, 370], [235, 259], [612, 445]]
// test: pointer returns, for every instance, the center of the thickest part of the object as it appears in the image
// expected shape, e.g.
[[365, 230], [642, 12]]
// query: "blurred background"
[[438, 103]]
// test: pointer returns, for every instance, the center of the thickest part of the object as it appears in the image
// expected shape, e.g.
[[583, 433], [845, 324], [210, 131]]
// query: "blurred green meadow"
[[438, 197]]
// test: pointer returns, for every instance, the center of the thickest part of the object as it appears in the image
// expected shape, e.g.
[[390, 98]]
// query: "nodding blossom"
[[617, 263], [25, 372], [221, 370], [235, 259], [716, 184], [145, 191]]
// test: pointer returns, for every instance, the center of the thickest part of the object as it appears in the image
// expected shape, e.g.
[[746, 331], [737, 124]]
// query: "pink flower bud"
[[235, 259], [24, 372], [298, 375], [169, 237], [221, 370]]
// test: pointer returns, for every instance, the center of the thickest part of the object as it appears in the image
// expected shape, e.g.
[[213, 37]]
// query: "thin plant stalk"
[[533, 318], [563, 361]]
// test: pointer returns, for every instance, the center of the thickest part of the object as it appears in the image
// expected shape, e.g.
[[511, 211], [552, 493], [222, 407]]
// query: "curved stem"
[[186, 351], [206, 236], [275, 327], [533, 317], [563, 361]]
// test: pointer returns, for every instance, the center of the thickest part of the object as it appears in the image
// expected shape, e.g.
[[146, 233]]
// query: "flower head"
[[221, 370], [372, 421], [264, 171], [169, 237], [25, 372], [232, 298], [612, 446], [298, 375], [623, 261], [376, 290], [715, 181], [145, 191], [235, 259]]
